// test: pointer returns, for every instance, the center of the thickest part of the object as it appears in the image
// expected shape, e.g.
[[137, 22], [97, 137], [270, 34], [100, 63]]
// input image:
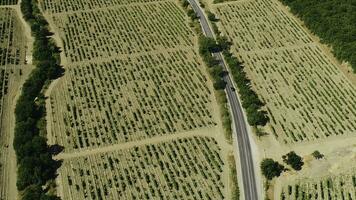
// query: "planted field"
[[188, 168], [58, 6], [8, 2], [126, 99], [328, 188], [12, 48], [259, 25], [120, 30], [133, 76], [306, 95]]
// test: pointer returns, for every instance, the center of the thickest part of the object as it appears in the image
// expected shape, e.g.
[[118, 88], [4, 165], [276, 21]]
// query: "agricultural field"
[[307, 96], [146, 94], [12, 51], [166, 29], [13, 71], [135, 109], [157, 94], [8, 2], [190, 168], [62, 6], [326, 188]]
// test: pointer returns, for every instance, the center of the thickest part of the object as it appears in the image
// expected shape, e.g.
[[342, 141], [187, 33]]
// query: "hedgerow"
[[35, 163]]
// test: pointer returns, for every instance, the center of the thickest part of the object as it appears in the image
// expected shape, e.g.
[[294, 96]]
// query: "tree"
[[271, 168], [294, 160], [207, 45], [223, 42], [211, 16], [317, 155]]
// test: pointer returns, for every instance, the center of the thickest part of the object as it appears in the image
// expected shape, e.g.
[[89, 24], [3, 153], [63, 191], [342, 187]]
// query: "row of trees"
[[250, 101], [35, 164], [333, 21]]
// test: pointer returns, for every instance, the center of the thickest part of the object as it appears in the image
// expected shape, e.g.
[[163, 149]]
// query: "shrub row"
[[35, 164]]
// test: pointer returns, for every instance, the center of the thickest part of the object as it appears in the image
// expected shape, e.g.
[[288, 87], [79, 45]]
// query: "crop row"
[[60, 6], [131, 98], [189, 168], [123, 30], [8, 2], [306, 95], [12, 51], [327, 188]]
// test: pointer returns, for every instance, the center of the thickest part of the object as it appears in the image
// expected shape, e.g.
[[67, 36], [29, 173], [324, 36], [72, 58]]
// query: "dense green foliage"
[[294, 160], [35, 163], [36, 192], [334, 21], [208, 46], [271, 168]]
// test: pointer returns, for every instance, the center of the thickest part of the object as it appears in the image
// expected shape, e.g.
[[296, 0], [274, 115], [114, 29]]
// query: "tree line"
[[34, 157], [334, 21], [250, 100]]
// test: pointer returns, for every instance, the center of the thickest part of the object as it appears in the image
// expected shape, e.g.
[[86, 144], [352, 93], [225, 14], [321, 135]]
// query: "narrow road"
[[246, 161]]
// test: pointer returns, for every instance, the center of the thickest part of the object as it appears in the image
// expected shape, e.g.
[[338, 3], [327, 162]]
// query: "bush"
[[317, 155], [294, 160], [271, 168]]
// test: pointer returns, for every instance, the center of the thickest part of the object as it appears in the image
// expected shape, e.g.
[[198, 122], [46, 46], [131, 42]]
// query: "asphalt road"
[[244, 147]]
